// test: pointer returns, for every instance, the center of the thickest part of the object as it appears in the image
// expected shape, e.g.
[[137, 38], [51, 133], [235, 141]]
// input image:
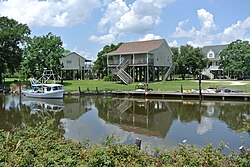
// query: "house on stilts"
[[213, 70], [77, 65], [142, 61]]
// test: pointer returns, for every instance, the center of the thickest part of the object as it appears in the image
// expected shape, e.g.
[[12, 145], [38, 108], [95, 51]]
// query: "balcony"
[[137, 61]]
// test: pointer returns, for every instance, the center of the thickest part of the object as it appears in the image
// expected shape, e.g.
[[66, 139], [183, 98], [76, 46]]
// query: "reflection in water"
[[43, 105], [158, 122], [138, 115], [205, 125]]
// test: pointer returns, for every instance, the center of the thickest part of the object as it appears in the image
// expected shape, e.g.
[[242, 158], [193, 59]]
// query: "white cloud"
[[180, 32], [114, 11], [150, 37], [104, 39], [56, 13], [206, 35], [174, 43], [206, 20], [200, 37], [240, 30], [205, 126], [138, 17]]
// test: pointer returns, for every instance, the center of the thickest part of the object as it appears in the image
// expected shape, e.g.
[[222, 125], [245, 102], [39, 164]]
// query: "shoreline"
[[168, 95]]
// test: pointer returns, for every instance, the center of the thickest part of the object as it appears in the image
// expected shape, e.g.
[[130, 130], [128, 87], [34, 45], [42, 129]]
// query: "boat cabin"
[[46, 88]]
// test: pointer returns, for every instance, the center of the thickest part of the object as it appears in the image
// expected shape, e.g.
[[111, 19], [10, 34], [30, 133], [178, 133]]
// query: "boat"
[[41, 105], [42, 89]]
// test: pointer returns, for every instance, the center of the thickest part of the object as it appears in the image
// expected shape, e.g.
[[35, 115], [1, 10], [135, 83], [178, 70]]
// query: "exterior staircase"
[[124, 106], [207, 73], [122, 74], [171, 68]]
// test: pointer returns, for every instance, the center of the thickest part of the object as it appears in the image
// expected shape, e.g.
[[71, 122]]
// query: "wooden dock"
[[174, 95]]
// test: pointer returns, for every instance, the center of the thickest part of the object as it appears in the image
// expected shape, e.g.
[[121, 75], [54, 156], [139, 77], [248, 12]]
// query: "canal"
[[158, 122]]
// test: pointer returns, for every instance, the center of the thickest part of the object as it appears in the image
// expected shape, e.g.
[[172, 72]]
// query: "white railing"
[[207, 73], [171, 68]]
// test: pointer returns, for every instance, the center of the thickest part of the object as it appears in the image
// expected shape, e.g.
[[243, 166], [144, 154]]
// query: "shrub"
[[41, 146]]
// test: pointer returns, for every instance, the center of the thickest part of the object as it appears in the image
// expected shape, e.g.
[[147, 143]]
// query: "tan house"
[[142, 61], [74, 62]]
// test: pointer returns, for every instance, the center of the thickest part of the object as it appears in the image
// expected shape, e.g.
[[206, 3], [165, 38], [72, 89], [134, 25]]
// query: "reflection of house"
[[141, 61], [152, 118], [213, 54], [74, 108], [75, 62]]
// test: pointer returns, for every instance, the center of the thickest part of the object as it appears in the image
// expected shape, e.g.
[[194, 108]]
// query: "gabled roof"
[[70, 53], [215, 48], [138, 47]]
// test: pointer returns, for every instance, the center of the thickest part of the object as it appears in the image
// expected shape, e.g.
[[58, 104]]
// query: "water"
[[158, 122]]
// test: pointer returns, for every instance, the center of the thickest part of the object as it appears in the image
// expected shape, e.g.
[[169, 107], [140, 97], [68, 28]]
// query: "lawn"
[[92, 85], [175, 85]]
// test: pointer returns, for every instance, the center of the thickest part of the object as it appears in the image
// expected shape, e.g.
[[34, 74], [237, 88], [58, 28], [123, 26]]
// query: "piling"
[[138, 143]]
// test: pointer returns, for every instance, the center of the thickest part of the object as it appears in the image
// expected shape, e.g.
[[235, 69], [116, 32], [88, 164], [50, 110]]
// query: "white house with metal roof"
[[141, 61], [213, 54]]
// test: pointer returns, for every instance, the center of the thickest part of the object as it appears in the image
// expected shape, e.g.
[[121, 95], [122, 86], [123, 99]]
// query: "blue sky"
[[86, 26]]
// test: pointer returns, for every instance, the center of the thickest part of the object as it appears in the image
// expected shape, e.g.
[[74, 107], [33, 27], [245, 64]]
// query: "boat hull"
[[48, 95]]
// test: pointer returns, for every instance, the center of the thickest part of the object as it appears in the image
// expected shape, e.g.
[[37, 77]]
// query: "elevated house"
[[213, 54], [142, 61], [74, 62]]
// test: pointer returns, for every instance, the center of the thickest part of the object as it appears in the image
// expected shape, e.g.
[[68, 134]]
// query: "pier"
[[169, 95]]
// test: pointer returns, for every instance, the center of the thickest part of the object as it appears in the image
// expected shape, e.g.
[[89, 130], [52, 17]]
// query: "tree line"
[[26, 56]]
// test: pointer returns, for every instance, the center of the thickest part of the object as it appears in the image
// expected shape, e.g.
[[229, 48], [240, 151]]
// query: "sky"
[[86, 26]]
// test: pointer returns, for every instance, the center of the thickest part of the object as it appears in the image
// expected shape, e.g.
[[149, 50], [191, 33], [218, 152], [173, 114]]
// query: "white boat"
[[43, 89], [37, 105]]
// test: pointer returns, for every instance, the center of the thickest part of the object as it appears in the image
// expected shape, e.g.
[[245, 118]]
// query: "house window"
[[69, 61], [210, 54]]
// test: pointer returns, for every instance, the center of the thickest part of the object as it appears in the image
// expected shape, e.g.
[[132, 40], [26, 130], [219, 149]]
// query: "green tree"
[[100, 65], [13, 36], [175, 51], [42, 52], [190, 60], [235, 59]]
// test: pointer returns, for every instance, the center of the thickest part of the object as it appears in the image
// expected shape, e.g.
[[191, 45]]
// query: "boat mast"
[[48, 75]]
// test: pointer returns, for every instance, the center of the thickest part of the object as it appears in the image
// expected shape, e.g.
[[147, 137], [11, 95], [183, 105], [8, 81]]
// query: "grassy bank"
[[41, 146], [156, 86], [92, 85]]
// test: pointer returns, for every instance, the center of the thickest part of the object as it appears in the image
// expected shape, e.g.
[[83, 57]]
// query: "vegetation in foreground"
[[41, 146]]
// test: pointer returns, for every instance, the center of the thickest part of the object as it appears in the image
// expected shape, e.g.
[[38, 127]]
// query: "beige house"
[[142, 61], [75, 62]]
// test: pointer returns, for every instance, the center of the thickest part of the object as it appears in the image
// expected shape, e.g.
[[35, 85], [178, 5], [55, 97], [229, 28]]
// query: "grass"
[[175, 85], [73, 85]]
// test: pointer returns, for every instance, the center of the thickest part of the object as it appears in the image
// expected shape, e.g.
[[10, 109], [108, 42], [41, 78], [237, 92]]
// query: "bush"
[[41, 146], [106, 78]]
